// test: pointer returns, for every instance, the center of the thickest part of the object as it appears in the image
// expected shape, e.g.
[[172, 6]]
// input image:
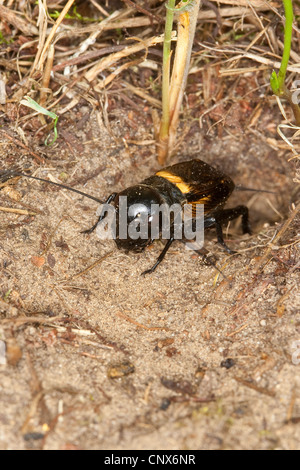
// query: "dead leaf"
[[13, 352], [38, 261]]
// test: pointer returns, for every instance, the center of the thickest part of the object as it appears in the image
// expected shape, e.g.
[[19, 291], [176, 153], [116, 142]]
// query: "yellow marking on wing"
[[175, 179], [202, 200]]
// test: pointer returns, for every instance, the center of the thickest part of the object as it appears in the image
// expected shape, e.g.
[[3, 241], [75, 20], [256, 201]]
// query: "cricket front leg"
[[102, 216], [160, 258]]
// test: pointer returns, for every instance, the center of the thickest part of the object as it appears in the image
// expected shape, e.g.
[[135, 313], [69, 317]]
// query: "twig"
[[19, 23], [278, 237], [238, 330], [252, 385], [93, 265], [112, 59], [151, 15], [18, 142], [139, 92], [35, 319], [16, 211], [140, 325]]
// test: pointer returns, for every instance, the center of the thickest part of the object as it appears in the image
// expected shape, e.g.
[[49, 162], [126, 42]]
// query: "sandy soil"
[[181, 359]]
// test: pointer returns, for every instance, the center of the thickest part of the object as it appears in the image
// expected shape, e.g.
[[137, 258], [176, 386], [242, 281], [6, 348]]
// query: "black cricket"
[[192, 182]]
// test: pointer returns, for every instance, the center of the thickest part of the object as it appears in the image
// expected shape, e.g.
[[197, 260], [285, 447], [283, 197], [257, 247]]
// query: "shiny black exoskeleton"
[[192, 182]]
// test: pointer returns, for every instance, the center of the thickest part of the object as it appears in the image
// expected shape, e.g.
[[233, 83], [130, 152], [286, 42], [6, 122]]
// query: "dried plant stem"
[[16, 211], [186, 32], [173, 93], [12, 17], [165, 119], [46, 77], [281, 232], [139, 21], [53, 31], [112, 59]]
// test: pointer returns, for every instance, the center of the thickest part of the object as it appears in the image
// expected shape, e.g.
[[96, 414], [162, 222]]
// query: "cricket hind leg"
[[224, 216]]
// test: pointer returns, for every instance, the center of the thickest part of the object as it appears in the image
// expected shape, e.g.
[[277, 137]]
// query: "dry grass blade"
[[234, 11], [53, 32], [246, 3], [22, 320], [15, 19], [140, 92], [186, 31], [17, 211], [112, 59], [46, 78]]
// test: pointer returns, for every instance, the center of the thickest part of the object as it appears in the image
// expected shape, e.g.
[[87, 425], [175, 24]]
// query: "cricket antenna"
[[10, 174], [243, 188]]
